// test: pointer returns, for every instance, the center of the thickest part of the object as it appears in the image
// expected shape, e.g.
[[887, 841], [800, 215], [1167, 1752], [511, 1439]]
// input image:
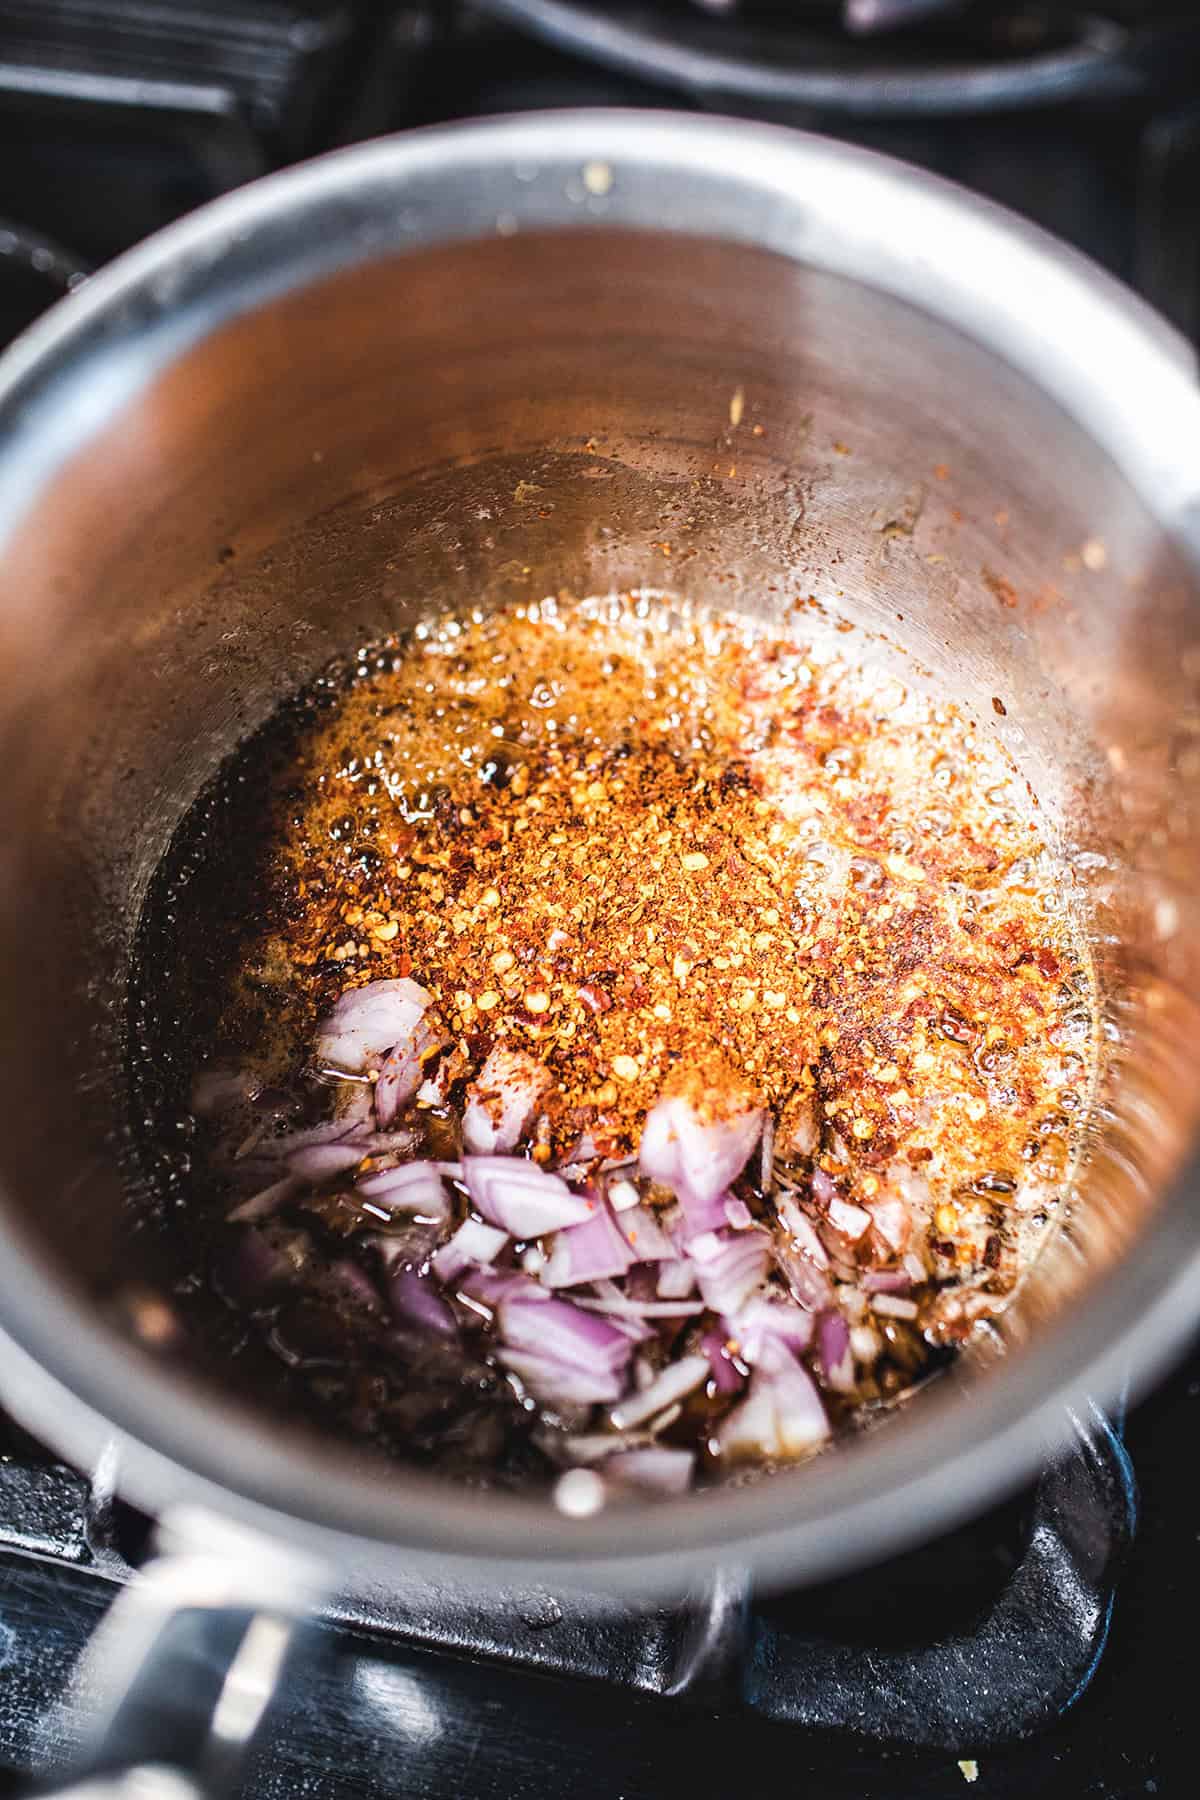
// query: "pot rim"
[[1040, 307]]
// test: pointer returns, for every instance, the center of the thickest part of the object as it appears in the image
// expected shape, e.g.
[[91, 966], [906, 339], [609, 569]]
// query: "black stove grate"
[[1030, 1601]]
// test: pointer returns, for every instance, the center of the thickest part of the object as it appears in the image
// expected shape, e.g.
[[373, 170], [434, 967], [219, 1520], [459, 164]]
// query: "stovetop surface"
[[115, 119]]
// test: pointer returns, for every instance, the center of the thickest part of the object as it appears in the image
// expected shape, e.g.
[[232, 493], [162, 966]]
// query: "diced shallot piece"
[[502, 1100], [699, 1135], [522, 1199], [656, 1469], [781, 1416], [368, 1022], [675, 1381]]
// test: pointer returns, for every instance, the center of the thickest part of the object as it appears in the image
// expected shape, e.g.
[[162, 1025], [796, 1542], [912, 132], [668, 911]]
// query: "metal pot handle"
[[179, 1675]]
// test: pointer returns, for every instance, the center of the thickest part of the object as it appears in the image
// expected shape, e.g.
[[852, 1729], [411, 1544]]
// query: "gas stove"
[[1031, 1652]]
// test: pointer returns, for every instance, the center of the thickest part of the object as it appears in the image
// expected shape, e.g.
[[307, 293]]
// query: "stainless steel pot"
[[301, 416]]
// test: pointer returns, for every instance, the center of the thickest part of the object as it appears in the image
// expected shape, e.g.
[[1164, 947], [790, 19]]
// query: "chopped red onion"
[[354, 1105], [250, 1266], [823, 1186], [389, 1143], [348, 1282], [565, 1357], [726, 1376], [800, 1418], [558, 1384], [750, 1430], [266, 1201], [655, 1470], [802, 1231], [563, 1332], [329, 1131], [591, 1251], [676, 1279], [589, 1446], [696, 1216], [696, 1160], [766, 1158], [886, 1281], [403, 1071], [833, 1352], [737, 1213], [762, 1319], [809, 1285], [521, 1198], [484, 1288], [415, 1301], [675, 1381], [645, 1309], [915, 1267], [317, 1162], [412, 1187], [367, 1022], [645, 1236], [623, 1196], [850, 1220], [502, 1100], [219, 1090], [892, 1219], [473, 1243], [728, 1279], [894, 1306]]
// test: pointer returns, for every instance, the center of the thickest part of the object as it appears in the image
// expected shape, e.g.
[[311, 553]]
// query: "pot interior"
[[328, 465]]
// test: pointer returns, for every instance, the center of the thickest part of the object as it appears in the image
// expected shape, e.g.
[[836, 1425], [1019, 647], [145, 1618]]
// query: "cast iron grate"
[[983, 1638]]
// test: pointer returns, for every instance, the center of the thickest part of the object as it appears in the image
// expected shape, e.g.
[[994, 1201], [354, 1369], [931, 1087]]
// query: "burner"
[[769, 60], [985, 1638]]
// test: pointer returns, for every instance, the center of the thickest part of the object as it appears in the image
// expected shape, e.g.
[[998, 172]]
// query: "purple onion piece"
[[317, 1162], [403, 1071], [502, 1100], [414, 1187], [266, 1201], [653, 1470], [472, 1244], [697, 1160], [674, 1383], [591, 1251], [348, 1284], [415, 1301], [641, 1230], [676, 1279], [886, 1281], [367, 1022], [833, 1352], [850, 1220], [522, 1199], [728, 1277], [559, 1384], [892, 1219], [216, 1091], [485, 1288], [763, 1321], [645, 1309], [726, 1376], [823, 1186], [562, 1333], [801, 1420], [251, 1268], [781, 1416]]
